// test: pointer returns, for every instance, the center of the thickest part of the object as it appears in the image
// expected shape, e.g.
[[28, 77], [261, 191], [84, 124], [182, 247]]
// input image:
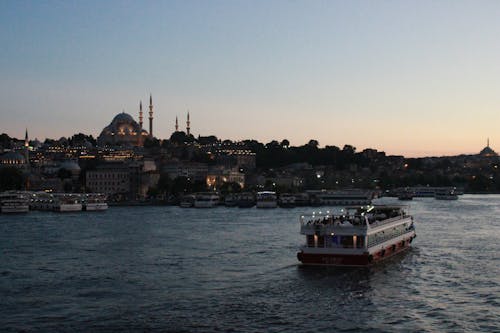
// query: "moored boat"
[[94, 202], [341, 198], [356, 236], [231, 200], [286, 200], [206, 199], [446, 194], [405, 194], [266, 199], [246, 200], [13, 202], [67, 202], [187, 201]]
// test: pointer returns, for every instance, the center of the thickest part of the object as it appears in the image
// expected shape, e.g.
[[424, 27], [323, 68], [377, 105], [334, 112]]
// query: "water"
[[235, 270]]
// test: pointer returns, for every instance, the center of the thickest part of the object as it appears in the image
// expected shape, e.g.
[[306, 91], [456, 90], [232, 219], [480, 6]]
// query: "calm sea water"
[[235, 270]]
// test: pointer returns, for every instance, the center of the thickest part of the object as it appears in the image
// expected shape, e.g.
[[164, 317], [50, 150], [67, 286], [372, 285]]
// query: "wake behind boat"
[[357, 236]]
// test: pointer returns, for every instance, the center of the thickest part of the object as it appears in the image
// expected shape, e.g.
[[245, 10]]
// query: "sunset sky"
[[413, 78]]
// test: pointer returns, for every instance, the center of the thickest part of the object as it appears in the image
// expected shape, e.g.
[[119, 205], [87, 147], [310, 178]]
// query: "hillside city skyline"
[[185, 126]]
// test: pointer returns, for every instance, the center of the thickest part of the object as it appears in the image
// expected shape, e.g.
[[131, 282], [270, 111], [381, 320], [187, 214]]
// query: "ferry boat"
[[206, 199], [94, 202], [302, 199], [266, 199], [67, 202], [187, 201], [340, 198], [446, 194], [41, 201], [286, 200], [356, 236], [14, 202], [231, 200], [405, 194]]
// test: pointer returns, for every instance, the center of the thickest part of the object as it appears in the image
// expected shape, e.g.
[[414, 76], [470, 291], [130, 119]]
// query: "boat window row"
[[336, 241], [388, 234]]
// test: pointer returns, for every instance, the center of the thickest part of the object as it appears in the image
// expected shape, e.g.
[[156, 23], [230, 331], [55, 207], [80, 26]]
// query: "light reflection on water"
[[223, 269]]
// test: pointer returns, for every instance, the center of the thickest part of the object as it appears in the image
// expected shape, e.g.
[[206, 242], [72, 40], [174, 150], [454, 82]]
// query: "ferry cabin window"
[[321, 241], [360, 243], [310, 240], [346, 241]]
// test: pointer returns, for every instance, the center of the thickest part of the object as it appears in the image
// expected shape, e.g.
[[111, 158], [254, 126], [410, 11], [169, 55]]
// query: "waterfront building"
[[124, 180], [192, 170], [219, 175], [240, 158], [112, 179]]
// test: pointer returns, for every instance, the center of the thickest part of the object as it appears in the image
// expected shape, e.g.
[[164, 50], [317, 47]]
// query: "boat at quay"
[[356, 236], [446, 194], [267, 199], [340, 198], [94, 202], [14, 202], [206, 200]]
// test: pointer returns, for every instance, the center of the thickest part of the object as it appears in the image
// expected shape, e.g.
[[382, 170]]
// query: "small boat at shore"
[[406, 195], [266, 199], [187, 201], [14, 202], [94, 202], [206, 199], [446, 194], [67, 202], [245, 200], [286, 200], [356, 236]]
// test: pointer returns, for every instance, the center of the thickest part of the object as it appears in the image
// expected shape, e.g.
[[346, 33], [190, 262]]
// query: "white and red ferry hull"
[[367, 258]]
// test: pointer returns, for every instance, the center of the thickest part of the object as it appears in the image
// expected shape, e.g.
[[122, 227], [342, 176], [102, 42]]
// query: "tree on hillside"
[[313, 143], [285, 143]]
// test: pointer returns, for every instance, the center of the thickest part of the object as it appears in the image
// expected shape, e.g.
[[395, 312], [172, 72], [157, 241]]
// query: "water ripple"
[[233, 270]]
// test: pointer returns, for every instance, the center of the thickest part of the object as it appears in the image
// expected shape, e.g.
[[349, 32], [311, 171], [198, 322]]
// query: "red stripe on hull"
[[333, 259], [351, 260]]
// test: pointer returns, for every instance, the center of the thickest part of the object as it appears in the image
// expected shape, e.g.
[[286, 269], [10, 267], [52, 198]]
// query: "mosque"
[[125, 131], [487, 151]]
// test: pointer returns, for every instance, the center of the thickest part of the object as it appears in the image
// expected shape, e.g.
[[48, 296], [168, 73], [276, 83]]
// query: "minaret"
[[140, 114], [26, 149], [176, 124], [150, 115], [188, 124], [488, 142], [27, 157], [26, 141]]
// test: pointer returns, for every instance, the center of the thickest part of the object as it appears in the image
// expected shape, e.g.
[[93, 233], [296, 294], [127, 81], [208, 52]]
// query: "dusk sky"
[[415, 78]]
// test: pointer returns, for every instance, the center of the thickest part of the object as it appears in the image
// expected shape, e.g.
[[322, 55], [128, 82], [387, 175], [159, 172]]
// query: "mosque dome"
[[123, 130]]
